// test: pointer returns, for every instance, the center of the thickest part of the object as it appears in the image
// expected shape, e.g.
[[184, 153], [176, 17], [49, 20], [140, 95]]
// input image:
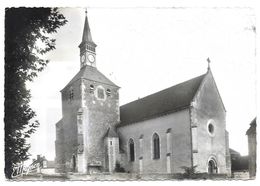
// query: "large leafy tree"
[[27, 38]]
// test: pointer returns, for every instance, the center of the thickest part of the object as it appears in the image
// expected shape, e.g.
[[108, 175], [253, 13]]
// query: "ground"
[[119, 177]]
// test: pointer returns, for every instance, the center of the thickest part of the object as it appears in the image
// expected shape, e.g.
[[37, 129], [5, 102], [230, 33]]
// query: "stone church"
[[184, 125]]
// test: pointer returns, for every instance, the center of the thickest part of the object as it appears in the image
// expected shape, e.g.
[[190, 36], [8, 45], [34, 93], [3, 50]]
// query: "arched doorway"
[[212, 167]]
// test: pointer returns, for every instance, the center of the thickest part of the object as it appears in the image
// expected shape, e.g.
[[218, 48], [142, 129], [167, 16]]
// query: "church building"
[[181, 126]]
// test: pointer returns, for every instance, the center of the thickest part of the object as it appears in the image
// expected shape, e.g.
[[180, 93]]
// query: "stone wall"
[[102, 114], [59, 150], [252, 155], [179, 123], [207, 109], [240, 175], [69, 112], [98, 116]]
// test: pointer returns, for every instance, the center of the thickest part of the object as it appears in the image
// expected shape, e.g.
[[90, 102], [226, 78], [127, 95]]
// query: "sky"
[[146, 49]]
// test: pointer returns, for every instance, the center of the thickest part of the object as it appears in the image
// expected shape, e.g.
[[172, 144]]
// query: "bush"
[[189, 172], [118, 168]]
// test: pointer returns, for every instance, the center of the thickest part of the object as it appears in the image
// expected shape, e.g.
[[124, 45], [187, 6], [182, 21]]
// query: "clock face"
[[82, 58], [91, 58]]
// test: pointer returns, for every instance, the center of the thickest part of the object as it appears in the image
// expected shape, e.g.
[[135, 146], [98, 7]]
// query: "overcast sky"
[[145, 50]]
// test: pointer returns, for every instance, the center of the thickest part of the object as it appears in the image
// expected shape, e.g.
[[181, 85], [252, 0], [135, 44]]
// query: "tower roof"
[[111, 133], [252, 129], [86, 37], [91, 73]]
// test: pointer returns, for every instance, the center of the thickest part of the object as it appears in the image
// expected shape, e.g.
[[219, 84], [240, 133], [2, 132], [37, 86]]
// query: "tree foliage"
[[25, 28], [189, 172]]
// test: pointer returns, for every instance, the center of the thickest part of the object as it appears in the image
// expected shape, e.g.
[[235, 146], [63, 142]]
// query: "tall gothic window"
[[156, 146], [132, 150]]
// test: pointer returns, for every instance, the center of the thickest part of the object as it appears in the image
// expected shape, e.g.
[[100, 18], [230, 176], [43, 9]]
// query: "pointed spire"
[[87, 38], [208, 60]]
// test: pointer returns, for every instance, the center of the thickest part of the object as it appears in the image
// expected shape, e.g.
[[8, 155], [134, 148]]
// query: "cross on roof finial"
[[208, 60], [86, 11]]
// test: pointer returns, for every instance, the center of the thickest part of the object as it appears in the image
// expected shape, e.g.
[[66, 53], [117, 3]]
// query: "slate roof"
[[233, 152], [86, 36], [91, 73], [166, 101], [252, 129], [111, 133]]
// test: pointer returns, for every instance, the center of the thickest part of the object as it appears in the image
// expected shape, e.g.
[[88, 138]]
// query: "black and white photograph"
[[130, 93]]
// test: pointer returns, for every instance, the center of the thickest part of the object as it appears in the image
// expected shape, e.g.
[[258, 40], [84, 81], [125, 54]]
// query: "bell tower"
[[87, 47], [86, 140]]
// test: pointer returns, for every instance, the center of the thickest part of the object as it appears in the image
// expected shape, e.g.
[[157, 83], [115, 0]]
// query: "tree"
[[25, 28]]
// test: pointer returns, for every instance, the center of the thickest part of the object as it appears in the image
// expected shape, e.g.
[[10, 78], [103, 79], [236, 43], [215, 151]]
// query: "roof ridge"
[[105, 77], [167, 100], [181, 83], [81, 74], [111, 132]]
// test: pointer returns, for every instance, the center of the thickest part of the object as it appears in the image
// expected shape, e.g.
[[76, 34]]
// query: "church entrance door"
[[212, 167]]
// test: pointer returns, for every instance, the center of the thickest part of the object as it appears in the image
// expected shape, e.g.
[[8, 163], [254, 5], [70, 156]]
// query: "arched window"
[[74, 163], [100, 93], [168, 141], [132, 150], [141, 146], [156, 146]]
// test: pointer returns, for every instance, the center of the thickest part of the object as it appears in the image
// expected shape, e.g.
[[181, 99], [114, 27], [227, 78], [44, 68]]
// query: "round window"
[[211, 128]]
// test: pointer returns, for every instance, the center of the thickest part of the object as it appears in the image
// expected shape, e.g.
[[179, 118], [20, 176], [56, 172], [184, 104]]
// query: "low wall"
[[48, 171], [146, 177], [240, 175], [118, 177]]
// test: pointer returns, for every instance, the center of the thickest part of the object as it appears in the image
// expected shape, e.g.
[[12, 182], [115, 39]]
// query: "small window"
[[110, 142], [100, 93], [211, 128], [63, 96], [156, 146], [91, 87], [132, 150], [108, 92], [71, 94]]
